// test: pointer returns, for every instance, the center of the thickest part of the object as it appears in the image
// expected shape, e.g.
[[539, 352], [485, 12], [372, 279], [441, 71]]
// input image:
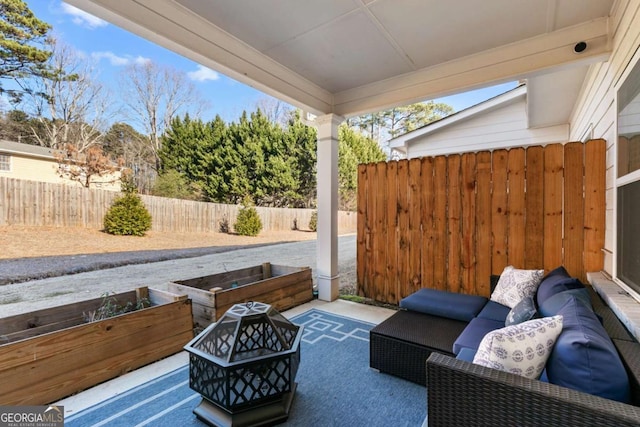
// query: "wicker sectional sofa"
[[419, 347]]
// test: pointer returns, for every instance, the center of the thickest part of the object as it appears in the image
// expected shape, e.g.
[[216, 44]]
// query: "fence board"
[[362, 232], [391, 272], [380, 225], [553, 174], [515, 211], [499, 221], [483, 224], [440, 223], [374, 231], [428, 235], [533, 243], [573, 210], [468, 224], [454, 271], [415, 225], [403, 229], [594, 214]]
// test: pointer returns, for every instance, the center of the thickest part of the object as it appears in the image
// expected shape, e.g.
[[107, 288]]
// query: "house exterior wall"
[[46, 170], [504, 127], [33, 169], [595, 113]]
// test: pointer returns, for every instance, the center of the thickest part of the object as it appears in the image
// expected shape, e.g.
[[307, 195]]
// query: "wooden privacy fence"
[[449, 222], [31, 203]]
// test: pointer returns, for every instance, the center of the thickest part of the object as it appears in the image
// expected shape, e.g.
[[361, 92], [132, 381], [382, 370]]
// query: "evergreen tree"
[[302, 140], [353, 149], [21, 42]]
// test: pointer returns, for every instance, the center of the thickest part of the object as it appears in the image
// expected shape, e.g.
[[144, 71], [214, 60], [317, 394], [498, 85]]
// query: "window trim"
[[9, 161], [619, 181]]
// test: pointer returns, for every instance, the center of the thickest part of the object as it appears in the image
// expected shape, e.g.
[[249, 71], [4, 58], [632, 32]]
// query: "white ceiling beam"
[[534, 56], [210, 46]]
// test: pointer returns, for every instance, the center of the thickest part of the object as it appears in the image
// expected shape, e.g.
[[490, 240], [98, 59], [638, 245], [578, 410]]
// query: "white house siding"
[[504, 127], [595, 113]]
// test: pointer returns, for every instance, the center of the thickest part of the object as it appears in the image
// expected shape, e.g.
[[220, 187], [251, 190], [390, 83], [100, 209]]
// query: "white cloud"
[[119, 61], [114, 59], [203, 74], [80, 17], [141, 60]]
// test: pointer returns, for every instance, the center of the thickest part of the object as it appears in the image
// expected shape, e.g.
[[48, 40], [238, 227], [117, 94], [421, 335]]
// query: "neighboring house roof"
[[401, 142], [26, 149]]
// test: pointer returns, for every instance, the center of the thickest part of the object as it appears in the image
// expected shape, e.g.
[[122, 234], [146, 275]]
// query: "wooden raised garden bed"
[[49, 354], [281, 286]]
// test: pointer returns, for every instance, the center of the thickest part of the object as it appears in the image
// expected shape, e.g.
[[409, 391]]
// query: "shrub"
[[313, 222], [127, 216], [224, 225], [248, 222]]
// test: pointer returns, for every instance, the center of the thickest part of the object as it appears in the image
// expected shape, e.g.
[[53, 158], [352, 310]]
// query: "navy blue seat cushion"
[[494, 311], [444, 304], [584, 357], [555, 283], [466, 354], [474, 332]]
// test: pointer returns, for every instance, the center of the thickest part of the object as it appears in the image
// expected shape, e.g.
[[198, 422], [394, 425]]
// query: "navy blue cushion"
[[474, 332], [554, 284], [466, 354], [557, 271], [523, 311], [584, 358], [494, 311], [444, 304], [554, 303]]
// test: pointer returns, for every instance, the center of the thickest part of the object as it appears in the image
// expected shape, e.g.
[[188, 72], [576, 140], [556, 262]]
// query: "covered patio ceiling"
[[348, 57]]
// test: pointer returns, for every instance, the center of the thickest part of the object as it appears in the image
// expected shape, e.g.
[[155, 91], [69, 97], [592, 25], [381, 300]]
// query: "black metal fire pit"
[[245, 366]]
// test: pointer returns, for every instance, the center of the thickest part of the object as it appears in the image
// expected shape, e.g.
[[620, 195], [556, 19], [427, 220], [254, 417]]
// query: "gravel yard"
[[152, 261]]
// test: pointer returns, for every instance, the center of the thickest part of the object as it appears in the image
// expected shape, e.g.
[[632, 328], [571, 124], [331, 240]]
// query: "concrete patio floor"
[[78, 402]]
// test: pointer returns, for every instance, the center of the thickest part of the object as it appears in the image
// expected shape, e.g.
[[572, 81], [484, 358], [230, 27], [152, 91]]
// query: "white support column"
[[327, 184]]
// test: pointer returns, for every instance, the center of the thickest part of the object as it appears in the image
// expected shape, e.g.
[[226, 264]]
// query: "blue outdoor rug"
[[336, 387]]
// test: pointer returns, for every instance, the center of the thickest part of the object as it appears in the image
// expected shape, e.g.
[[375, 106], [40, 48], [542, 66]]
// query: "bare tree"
[[86, 167], [276, 111], [154, 95], [71, 106]]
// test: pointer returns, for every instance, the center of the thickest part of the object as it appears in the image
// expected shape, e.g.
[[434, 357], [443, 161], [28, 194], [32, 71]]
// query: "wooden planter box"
[[49, 354], [281, 286]]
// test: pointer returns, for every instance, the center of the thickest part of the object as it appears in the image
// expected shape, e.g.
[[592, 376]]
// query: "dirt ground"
[[24, 242]]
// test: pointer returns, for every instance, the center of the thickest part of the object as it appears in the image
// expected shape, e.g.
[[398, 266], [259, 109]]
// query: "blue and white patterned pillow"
[[521, 349], [514, 285]]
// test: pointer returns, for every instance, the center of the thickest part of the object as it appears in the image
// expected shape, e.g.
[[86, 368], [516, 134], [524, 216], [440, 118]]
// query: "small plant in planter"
[[110, 308], [248, 222]]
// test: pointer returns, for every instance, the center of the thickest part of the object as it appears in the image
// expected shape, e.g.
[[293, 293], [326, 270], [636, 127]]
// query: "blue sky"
[[114, 48]]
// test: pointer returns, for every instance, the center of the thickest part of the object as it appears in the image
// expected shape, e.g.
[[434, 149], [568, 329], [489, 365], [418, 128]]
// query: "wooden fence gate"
[[449, 222]]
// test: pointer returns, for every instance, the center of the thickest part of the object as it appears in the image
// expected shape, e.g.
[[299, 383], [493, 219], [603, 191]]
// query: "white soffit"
[[354, 56], [551, 97]]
